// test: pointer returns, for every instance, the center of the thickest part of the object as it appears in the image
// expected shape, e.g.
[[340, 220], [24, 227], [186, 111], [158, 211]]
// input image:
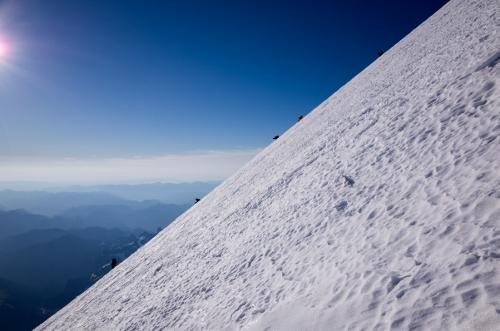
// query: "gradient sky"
[[113, 80]]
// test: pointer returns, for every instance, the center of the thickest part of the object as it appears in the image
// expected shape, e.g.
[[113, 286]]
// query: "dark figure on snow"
[[114, 263], [349, 180], [300, 118], [197, 200], [275, 137], [380, 53]]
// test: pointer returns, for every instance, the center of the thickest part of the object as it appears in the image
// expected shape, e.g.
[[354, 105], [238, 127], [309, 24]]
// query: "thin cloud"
[[195, 166]]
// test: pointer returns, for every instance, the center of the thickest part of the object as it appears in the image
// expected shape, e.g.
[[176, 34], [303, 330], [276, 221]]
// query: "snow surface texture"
[[380, 210]]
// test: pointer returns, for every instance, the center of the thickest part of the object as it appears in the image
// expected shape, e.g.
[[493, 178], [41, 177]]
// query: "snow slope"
[[409, 239]]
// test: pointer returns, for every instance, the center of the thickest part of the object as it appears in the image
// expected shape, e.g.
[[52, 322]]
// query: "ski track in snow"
[[380, 210]]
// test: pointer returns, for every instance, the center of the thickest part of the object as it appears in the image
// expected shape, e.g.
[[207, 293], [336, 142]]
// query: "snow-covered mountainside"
[[379, 210]]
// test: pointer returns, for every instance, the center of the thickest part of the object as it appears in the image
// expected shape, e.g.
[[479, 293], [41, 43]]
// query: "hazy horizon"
[[173, 168], [14, 185]]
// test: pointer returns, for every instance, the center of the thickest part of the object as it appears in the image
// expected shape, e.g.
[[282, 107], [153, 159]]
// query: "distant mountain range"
[[18, 221], [147, 216], [50, 203], [175, 193], [60, 255], [42, 270], [49, 200], [54, 245], [20, 307]]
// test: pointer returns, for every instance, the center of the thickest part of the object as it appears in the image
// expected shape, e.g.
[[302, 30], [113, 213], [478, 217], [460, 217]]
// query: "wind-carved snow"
[[380, 210]]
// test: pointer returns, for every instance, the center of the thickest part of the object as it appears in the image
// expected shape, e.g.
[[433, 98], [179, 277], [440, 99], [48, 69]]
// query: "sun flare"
[[4, 49]]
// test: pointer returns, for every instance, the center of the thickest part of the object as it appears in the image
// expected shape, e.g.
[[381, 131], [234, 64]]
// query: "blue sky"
[[121, 80]]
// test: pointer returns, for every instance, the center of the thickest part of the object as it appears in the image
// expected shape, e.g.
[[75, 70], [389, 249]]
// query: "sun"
[[4, 49]]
